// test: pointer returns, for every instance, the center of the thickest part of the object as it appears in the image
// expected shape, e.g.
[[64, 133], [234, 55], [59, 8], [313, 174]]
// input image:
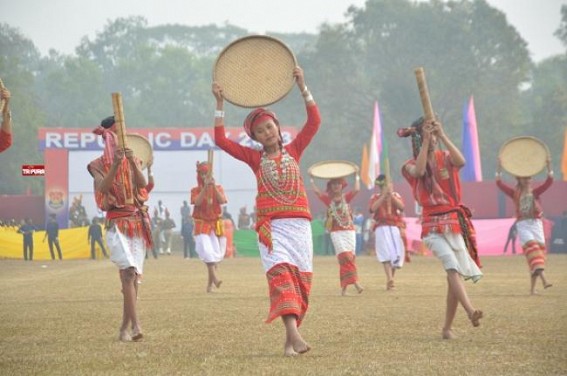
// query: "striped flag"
[[472, 170], [375, 147], [564, 159]]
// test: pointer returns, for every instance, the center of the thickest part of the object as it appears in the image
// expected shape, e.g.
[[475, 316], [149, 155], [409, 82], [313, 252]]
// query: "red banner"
[[57, 185]]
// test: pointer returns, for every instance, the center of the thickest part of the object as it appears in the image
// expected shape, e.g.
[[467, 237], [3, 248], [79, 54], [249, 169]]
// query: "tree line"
[[164, 74]]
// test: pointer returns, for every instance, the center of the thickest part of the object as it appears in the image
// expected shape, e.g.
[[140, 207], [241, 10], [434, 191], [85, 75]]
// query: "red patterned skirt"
[[289, 291], [347, 268]]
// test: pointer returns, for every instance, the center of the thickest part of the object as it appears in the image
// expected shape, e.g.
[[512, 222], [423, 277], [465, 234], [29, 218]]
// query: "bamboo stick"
[[119, 119], [122, 143], [210, 160], [424, 94]]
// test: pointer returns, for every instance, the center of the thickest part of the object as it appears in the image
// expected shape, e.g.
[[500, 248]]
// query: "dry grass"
[[63, 320]]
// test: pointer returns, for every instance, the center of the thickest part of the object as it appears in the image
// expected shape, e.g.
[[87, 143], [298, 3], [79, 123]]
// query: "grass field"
[[62, 318]]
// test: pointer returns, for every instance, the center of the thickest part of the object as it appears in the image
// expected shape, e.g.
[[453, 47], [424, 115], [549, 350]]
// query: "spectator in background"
[[27, 229], [52, 235], [512, 235], [185, 211], [161, 209], [559, 234], [358, 221], [83, 217], [167, 226], [155, 224], [74, 213], [227, 215], [95, 237], [243, 219], [229, 227], [187, 235]]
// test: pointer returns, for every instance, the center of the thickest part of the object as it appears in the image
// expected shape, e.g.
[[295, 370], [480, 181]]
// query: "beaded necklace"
[[340, 213], [281, 186]]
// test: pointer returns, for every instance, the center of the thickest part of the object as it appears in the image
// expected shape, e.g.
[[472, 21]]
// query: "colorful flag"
[[364, 168], [375, 147], [564, 159], [472, 170]]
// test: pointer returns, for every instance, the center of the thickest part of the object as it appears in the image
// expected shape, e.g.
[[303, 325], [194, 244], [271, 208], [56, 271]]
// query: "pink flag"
[[472, 170], [375, 148]]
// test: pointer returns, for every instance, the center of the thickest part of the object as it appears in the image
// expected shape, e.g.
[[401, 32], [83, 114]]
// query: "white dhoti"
[[389, 246], [450, 248], [126, 252], [291, 243], [210, 248], [343, 241], [530, 229]]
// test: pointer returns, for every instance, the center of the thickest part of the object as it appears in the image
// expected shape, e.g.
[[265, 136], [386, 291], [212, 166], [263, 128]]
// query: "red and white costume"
[[529, 213], [446, 228], [283, 218], [128, 233], [343, 235], [389, 244], [210, 241]]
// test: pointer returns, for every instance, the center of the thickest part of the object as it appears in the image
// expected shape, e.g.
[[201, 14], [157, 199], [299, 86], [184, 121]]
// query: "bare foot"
[[218, 284], [359, 288], [390, 285], [210, 288], [343, 291], [300, 346], [475, 317], [289, 351], [137, 335], [547, 285], [448, 334], [124, 336], [534, 292]]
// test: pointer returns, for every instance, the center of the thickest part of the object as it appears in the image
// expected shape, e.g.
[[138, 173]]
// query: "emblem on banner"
[[56, 199]]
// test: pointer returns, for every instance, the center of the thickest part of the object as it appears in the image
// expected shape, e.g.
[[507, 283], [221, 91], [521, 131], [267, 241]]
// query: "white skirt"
[[450, 248], [389, 246], [530, 229], [343, 241], [126, 252], [292, 244], [210, 248]]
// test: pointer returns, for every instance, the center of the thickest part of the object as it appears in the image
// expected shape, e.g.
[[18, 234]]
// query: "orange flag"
[[364, 168]]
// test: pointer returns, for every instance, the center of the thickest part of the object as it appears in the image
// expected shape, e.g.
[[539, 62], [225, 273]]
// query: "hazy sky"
[[60, 24]]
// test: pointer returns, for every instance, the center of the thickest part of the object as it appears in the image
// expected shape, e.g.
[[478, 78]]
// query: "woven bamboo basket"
[[523, 156], [332, 169], [141, 147], [255, 71]]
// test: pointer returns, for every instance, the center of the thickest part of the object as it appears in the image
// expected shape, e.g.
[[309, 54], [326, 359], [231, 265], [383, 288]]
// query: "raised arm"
[[457, 158], [315, 187]]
